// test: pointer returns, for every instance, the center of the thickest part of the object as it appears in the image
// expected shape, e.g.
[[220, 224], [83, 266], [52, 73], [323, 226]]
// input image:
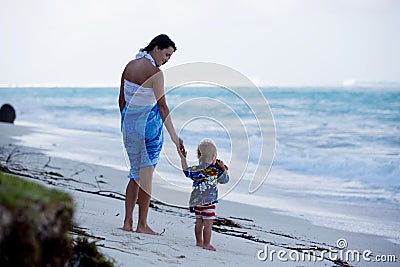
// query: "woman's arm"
[[158, 86], [121, 100]]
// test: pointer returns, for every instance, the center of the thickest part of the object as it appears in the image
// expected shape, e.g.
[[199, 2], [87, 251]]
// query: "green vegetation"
[[87, 254], [15, 192], [34, 225]]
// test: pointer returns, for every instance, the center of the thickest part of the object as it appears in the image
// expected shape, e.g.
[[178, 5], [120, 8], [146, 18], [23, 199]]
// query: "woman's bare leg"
[[131, 196], [207, 235], [146, 178]]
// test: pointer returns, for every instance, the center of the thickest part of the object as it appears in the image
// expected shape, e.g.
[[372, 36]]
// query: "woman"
[[143, 112]]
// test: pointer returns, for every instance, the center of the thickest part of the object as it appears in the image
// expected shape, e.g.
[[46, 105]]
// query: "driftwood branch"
[[47, 165]]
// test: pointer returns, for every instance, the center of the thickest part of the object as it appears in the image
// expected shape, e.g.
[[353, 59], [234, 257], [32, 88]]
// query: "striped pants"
[[205, 212]]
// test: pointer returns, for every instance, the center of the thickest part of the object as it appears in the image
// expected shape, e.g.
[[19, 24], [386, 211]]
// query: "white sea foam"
[[334, 148]]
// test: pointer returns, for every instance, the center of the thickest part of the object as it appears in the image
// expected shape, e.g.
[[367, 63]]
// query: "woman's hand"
[[182, 152], [180, 147]]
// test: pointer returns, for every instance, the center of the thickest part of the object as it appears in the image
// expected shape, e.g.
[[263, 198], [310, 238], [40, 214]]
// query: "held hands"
[[182, 153], [181, 148]]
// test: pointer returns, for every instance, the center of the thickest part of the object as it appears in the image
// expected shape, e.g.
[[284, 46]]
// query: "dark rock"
[[7, 113]]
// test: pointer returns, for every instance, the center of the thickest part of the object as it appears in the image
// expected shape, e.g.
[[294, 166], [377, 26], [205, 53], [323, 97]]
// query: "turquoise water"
[[353, 134], [333, 145]]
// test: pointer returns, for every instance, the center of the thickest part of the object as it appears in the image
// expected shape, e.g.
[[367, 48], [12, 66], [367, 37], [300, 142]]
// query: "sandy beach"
[[301, 99], [244, 235]]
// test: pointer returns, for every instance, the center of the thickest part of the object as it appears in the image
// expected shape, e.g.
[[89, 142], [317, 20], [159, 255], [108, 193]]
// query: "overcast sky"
[[273, 42]]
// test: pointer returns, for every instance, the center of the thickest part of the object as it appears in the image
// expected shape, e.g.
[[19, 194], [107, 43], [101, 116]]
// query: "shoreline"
[[368, 216], [101, 215]]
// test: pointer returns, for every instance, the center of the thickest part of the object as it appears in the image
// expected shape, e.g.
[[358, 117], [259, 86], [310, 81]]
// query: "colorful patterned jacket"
[[205, 179]]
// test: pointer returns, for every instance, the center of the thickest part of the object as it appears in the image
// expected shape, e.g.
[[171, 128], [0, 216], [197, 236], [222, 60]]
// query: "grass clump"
[[34, 228], [86, 254], [17, 192], [34, 223]]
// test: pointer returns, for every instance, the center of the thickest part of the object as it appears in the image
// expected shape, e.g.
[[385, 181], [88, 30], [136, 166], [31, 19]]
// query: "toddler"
[[205, 176]]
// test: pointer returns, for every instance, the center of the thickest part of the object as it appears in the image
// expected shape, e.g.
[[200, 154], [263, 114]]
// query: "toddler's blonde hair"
[[206, 151]]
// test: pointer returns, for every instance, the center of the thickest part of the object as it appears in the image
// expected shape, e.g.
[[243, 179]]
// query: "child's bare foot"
[[127, 226], [209, 247], [146, 230], [199, 244]]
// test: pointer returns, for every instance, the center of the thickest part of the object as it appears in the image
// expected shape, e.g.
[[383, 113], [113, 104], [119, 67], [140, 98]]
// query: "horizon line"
[[105, 85]]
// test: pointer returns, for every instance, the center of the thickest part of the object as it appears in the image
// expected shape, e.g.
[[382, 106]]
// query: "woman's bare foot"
[[146, 230], [209, 247], [199, 244], [127, 226]]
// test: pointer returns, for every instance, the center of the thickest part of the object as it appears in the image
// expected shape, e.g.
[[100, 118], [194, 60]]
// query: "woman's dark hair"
[[162, 41]]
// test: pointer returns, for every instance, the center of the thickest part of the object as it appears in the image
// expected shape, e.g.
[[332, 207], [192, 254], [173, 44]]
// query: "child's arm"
[[184, 164], [223, 176], [183, 154], [192, 172]]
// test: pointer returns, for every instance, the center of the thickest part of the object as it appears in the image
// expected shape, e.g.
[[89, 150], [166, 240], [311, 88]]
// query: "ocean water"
[[335, 151]]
